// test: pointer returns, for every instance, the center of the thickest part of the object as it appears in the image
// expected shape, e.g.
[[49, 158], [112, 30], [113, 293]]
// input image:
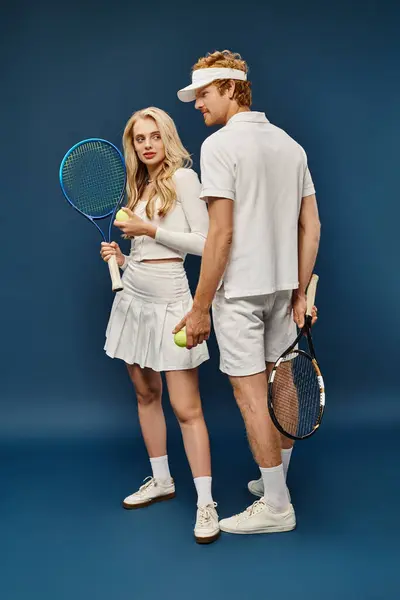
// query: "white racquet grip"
[[117, 285], [311, 292]]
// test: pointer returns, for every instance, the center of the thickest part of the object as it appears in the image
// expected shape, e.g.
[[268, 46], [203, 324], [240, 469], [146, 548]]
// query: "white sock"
[[286, 453], [203, 487], [160, 467], [275, 490]]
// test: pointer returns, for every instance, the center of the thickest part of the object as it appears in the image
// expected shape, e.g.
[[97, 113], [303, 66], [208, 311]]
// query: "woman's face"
[[148, 143]]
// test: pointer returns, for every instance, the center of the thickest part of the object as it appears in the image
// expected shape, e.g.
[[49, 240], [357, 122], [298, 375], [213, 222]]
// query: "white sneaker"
[[256, 487], [152, 490], [207, 527], [260, 518]]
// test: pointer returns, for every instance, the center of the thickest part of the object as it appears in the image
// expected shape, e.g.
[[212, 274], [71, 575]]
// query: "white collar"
[[249, 116]]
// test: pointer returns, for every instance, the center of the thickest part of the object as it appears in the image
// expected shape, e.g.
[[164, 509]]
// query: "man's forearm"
[[307, 250], [215, 258]]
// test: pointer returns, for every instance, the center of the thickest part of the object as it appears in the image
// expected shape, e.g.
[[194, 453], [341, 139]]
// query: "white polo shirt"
[[264, 171]]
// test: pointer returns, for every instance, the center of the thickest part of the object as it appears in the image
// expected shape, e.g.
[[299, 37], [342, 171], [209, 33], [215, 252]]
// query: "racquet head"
[[93, 177], [296, 393]]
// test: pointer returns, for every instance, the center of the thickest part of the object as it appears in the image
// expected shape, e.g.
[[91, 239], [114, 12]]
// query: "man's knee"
[[250, 392]]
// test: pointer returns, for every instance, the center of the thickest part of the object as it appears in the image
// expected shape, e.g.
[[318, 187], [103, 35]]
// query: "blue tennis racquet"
[[93, 180]]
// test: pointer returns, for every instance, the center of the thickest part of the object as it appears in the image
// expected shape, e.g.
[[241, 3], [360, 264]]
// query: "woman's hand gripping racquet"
[[296, 392], [93, 180]]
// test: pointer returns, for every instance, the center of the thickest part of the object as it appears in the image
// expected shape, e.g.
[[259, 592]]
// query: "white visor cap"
[[203, 77]]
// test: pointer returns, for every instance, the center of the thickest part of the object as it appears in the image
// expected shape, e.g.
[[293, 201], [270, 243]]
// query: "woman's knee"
[[147, 384], [148, 396], [188, 415]]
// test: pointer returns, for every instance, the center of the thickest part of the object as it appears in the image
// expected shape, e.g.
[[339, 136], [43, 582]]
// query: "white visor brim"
[[204, 77]]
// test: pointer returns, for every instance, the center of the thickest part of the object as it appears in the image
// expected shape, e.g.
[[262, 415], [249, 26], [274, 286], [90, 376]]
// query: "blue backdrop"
[[328, 73]]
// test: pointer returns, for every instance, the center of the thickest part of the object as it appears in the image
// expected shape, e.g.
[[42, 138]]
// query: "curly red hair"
[[229, 60]]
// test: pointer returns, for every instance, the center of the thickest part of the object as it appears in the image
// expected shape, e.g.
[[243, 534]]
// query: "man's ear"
[[231, 89]]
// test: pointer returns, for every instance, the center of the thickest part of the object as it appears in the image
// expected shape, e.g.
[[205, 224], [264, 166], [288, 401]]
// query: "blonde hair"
[[176, 156], [229, 60]]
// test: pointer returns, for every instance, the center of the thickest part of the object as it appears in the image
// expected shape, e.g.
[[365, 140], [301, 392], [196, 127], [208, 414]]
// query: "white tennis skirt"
[[156, 296]]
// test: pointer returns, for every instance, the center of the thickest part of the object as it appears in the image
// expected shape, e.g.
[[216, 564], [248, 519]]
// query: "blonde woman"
[[167, 221]]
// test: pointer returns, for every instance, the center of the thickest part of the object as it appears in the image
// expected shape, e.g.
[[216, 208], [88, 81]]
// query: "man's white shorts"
[[252, 331]]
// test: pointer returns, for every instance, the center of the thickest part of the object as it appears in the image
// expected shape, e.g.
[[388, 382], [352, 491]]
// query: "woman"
[[167, 221]]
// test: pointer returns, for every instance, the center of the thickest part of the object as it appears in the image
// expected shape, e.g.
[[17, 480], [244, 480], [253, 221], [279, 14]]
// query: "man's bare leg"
[[273, 513]]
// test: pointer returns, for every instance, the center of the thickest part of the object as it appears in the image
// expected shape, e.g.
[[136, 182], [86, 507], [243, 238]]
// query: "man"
[[258, 259]]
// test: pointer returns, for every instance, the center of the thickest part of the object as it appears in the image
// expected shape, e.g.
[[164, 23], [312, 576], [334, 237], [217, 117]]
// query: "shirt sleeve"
[[188, 192], [127, 257], [217, 170], [308, 185], [125, 263]]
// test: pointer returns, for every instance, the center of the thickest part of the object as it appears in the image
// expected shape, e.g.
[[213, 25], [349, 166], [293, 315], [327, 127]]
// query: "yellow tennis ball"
[[122, 216], [180, 338]]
